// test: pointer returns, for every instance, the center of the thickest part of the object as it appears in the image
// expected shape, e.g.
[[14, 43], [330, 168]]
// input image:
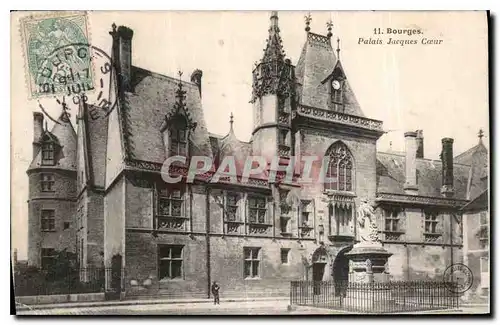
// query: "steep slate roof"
[[351, 105], [391, 176], [63, 134], [144, 110], [215, 145], [477, 158], [479, 203], [96, 137], [229, 145], [468, 156], [316, 63]]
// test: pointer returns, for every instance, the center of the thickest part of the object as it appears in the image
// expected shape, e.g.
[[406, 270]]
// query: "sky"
[[441, 89]]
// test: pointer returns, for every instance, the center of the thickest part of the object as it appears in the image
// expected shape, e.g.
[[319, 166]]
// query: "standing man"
[[215, 292]]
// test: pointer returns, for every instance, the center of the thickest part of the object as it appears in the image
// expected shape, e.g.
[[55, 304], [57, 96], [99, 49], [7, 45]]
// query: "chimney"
[[196, 79], [411, 163], [14, 257], [420, 144], [122, 56], [37, 131], [447, 167]]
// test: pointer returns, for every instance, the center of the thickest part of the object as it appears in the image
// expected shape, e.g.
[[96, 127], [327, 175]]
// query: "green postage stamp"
[[51, 71]]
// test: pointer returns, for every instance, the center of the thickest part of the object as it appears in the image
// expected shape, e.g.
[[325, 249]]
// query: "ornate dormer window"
[[340, 168], [48, 153], [178, 138], [337, 81], [337, 95], [178, 125], [49, 148]]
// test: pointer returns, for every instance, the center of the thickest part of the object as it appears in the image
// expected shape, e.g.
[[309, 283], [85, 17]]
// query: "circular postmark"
[[458, 278], [79, 73]]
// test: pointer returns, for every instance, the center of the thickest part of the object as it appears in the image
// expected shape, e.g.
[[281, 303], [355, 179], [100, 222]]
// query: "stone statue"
[[368, 230]]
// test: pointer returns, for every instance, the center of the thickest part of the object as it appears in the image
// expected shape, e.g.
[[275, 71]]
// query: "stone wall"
[[62, 200], [114, 221]]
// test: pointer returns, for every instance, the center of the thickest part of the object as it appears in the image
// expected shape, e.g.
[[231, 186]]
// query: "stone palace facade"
[[98, 191]]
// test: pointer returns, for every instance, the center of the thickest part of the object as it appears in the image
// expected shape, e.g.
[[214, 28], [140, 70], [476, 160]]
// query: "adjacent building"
[[476, 219], [251, 237]]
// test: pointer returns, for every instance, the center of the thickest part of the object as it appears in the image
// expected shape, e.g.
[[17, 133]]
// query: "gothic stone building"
[[100, 193]]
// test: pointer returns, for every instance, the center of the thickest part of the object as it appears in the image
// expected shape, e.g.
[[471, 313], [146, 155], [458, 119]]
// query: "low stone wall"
[[57, 299]]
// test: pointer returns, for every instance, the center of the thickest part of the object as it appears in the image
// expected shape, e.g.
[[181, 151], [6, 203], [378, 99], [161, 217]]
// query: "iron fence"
[[34, 282], [386, 297]]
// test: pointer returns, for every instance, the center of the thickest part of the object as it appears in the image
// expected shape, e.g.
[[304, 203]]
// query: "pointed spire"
[[180, 108], [180, 94], [329, 26], [231, 120], [65, 115], [274, 48], [338, 48], [273, 74], [274, 19], [308, 22], [480, 135]]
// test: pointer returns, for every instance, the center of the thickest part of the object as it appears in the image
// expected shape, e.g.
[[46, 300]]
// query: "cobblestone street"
[[206, 308], [225, 308]]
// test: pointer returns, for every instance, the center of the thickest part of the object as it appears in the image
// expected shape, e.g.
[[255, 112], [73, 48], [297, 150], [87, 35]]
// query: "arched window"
[[340, 168]]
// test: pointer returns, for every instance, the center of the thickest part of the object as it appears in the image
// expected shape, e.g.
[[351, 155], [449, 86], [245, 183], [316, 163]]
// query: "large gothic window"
[[340, 168]]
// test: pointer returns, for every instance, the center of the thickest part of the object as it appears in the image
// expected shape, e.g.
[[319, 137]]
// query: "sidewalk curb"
[[297, 309], [475, 305], [141, 302]]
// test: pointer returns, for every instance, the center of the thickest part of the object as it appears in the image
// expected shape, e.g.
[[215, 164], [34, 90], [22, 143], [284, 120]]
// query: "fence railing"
[[387, 297], [34, 282]]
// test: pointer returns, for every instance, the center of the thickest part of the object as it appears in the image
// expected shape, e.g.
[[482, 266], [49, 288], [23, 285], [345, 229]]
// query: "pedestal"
[[368, 288], [368, 263]]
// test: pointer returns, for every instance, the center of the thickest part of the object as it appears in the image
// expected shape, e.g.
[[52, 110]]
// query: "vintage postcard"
[[250, 163]]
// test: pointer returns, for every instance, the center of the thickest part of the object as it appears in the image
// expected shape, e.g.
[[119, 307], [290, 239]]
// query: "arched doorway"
[[319, 262], [340, 270]]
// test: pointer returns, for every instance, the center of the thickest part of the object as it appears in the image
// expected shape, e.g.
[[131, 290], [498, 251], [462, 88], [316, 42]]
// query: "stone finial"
[[308, 21], [480, 135], [329, 26], [113, 29]]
